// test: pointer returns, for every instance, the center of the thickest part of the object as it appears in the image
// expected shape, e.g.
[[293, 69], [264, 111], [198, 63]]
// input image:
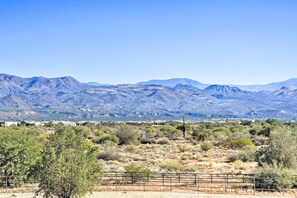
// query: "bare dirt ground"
[[141, 195]]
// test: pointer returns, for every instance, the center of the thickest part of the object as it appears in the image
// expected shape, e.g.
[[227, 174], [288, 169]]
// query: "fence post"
[[254, 184], [6, 181], [283, 187], [198, 184], [225, 184], [195, 179], [143, 185], [163, 179], [170, 183], [116, 181]]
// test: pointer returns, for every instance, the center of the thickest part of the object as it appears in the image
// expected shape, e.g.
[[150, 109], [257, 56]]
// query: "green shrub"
[[172, 167], [281, 149], [274, 177], [206, 146], [201, 133], [171, 132], [163, 141], [238, 143], [247, 155], [146, 140], [109, 155], [138, 173], [127, 135], [106, 137]]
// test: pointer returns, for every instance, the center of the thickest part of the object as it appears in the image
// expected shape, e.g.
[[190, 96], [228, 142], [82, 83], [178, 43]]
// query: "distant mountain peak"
[[224, 89], [11, 83], [175, 81]]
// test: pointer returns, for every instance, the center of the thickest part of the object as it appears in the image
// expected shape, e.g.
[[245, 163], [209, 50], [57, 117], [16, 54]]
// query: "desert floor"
[[141, 195]]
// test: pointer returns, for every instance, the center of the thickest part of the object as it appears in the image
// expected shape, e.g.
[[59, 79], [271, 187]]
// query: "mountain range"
[[40, 98]]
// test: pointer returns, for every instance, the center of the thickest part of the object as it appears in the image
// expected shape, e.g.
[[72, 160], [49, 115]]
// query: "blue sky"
[[126, 41]]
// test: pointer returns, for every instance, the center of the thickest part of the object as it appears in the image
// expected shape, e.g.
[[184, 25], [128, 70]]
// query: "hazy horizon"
[[119, 42]]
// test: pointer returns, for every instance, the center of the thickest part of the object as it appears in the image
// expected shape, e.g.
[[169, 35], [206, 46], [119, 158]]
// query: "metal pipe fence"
[[201, 183], [194, 182]]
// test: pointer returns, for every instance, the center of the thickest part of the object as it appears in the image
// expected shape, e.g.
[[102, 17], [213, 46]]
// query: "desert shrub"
[[85, 131], [221, 134], [274, 177], [201, 133], [138, 172], [109, 154], [127, 135], [171, 132], [206, 146], [163, 141], [260, 140], [172, 167], [238, 143], [281, 149], [106, 137], [131, 149], [148, 138], [182, 148], [247, 155], [98, 133]]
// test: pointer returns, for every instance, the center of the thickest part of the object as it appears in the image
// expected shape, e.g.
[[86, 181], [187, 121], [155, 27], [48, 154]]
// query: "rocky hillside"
[[40, 98]]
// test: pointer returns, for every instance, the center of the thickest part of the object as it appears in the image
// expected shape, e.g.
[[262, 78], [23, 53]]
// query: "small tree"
[[281, 149], [19, 153], [69, 166]]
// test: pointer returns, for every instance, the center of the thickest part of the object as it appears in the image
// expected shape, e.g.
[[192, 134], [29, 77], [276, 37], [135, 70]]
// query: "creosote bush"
[[246, 155], [275, 177], [172, 167], [109, 154], [281, 149], [127, 135], [238, 143], [206, 146], [138, 172]]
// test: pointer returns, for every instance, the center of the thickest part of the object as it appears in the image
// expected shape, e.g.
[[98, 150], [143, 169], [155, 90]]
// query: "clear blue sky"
[[126, 41]]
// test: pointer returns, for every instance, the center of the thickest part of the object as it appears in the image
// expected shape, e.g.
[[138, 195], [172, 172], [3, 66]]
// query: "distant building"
[[31, 123], [65, 123], [8, 124]]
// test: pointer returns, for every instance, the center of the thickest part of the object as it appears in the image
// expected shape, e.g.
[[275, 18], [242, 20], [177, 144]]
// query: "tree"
[[19, 152], [281, 149], [69, 165]]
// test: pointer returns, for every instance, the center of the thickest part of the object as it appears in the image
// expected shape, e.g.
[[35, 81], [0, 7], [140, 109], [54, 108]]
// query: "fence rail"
[[218, 183], [201, 183]]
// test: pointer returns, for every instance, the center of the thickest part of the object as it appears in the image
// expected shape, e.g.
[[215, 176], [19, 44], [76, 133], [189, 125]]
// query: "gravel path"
[[141, 195]]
